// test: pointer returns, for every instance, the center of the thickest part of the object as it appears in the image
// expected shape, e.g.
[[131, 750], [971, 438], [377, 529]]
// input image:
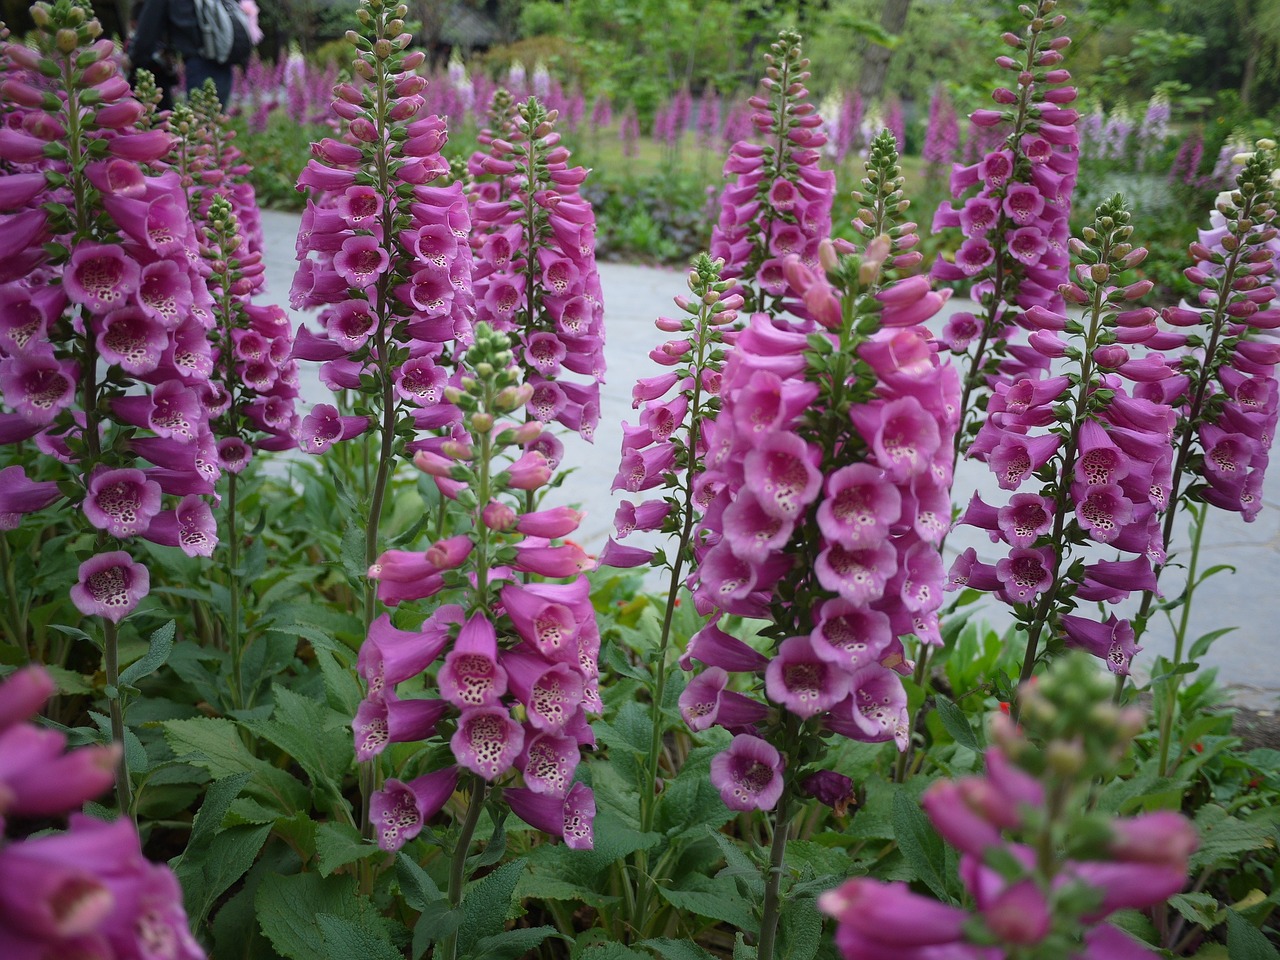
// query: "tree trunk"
[[875, 65]]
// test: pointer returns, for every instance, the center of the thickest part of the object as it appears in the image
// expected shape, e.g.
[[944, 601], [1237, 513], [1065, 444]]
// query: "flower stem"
[[111, 658], [1169, 707], [234, 638], [777, 856], [458, 864]]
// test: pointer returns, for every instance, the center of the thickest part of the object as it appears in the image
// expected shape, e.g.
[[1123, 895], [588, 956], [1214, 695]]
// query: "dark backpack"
[[224, 32]]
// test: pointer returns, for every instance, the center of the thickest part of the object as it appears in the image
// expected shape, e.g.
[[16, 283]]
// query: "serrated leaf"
[[715, 900], [204, 828], [338, 844], [160, 646], [921, 846], [1198, 908], [229, 858], [1222, 839], [287, 907], [416, 885], [344, 940], [354, 564], [214, 744], [957, 724], [437, 921], [612, 951], [1246, 942], [311, 734], [801, 930], [738, 865], [512, 944], [485, 905]]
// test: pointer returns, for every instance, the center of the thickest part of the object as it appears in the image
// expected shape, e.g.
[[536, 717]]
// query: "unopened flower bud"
[[482, 422], [1064, 757]]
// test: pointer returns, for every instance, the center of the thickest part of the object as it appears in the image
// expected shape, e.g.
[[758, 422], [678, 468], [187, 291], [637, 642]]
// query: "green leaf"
[[611, 951], [485, 905], [416, 884], [739, 865], [801, 930], [344, 940], [436, 922], [1198, 908], [338, 844], [1204, 642], [1223, 838], [311, 734], [288, 906], [161, 646], [957, 724], [715, 900], [354, 564], [340, 685], [189, 865], [923, 849], [1246, 942], [229, 858], [676, 949], [214, 743], [512, 944]]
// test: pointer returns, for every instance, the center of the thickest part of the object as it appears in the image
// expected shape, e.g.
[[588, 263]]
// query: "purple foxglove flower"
[[390, 656], [645, 517], [548, 763], [36, 385], [323, 427], [803, 682], [705, 703], [622, 557], [191, 528], [850, 636], [570, 817], [1024, 519], [901, 433], [131, 339], [715, 648], [875, 710], [752, 532], [1102, 510], [859, 576], [384, 718], [960, 811], [530, 472], [18, 495], [556, 522], [1019, 914], [122, 502], [551, 692], [882, 919], [471, 675], [1016, 457], [1026, 572], [835, 790], [487, 741], [748, 774], [400, 810], [549, 616], [1163, 837], [23, 693], [1111, 641], [564, 561], [110, 585], [39, 780], [781, 474], [100, 276], [860, 507]]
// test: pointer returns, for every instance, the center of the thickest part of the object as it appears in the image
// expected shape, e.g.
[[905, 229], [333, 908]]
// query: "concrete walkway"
[[1248, 599]]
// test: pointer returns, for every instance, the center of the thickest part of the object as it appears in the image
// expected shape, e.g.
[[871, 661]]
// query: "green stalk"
[[777, 856], [233, 584], [458, 863], [111, 657], [16, 628], [1179, 639]]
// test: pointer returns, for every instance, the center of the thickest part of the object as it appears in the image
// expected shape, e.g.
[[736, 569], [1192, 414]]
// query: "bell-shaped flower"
[[860, 507], [901, 433], [1111, 641], [571, 817], [715, 648], [748, 774], [471, 675], [323, 427], [780, 472], [1026, 572], [399, 810], [548, 763], [487, 741], [191, 527], [551, 692], [110, 585], [802, 681], [384, 718], [875, 710], [706, 702], [100, 276], [858, 576], [548, 615], [390, 656], [36, 385], [121, 502], [850, 636]]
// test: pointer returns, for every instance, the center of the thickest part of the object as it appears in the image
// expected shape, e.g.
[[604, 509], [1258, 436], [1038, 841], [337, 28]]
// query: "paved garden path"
[[1249, 658]]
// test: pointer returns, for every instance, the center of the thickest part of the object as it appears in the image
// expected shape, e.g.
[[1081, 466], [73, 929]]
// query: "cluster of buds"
[[1014, 255], [391, 264], [668, 446], [1226, 388], [1044, 869], [827, 488], [87, 891], [777, 203], [104, 313], [1102, 457], [506, 647], [535, 272]]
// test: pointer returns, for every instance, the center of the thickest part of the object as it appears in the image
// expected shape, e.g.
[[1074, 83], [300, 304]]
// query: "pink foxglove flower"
[[766, 217]]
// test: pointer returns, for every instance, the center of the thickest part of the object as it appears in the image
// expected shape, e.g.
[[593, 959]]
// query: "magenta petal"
[[748, 774], [487, 741], [400, 809]]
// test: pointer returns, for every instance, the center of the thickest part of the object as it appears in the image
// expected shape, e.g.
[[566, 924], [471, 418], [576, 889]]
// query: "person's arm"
[[151, 22]]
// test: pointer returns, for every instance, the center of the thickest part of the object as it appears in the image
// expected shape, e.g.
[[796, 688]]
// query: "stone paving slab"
[[634, 295]]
